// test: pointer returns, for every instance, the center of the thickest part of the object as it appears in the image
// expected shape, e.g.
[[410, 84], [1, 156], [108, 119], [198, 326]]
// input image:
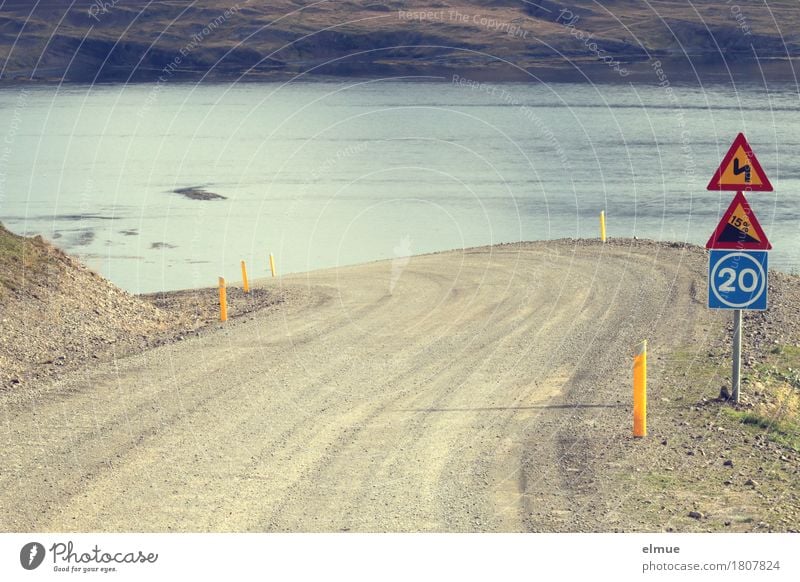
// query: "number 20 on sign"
[[737, 280]]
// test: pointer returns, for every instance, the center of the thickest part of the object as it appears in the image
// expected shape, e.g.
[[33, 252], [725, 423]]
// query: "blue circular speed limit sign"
[[737, 280]]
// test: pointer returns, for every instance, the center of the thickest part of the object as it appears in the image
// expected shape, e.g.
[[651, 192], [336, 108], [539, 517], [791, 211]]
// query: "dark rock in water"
[[83, 238], [83, 216], [198, 193], [162, 245]]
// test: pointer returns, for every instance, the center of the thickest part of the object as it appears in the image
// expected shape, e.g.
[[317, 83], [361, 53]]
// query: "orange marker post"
[[245, 284], [272, 264], [640, 391], [603, 225], [223, 300]]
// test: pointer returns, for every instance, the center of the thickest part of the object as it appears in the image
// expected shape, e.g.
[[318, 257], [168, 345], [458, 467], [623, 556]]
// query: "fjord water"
[[336, 173]]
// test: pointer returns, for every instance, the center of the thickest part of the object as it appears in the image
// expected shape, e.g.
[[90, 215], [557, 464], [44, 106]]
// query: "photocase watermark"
[[509, 28], [15, 119], [551, 256], [320, 170], [504, 95], [99, 7], [341, 154], [689, 165], [31, 555], [196, 40], [66, 559], [402, 257], [569, 19], [740, 18]]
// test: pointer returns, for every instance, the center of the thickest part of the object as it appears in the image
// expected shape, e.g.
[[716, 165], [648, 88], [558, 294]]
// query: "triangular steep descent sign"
[[739, 229], [740, 170]]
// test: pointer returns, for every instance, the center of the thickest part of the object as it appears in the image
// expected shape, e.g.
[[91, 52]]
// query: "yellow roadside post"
[[272, 264], [223, 300], [245, 284], [640, 390], [603, 225]]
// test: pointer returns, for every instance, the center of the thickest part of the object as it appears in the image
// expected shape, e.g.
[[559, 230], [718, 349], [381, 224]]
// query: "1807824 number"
[[756, 565]]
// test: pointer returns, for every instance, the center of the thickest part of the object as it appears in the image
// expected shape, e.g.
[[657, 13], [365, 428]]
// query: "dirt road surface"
[[478, 390]]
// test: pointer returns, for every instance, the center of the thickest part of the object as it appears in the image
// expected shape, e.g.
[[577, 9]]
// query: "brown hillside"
[[137, 41]]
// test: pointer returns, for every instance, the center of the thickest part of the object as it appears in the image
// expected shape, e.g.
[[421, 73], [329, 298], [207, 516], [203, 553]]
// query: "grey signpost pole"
[[737, 354]]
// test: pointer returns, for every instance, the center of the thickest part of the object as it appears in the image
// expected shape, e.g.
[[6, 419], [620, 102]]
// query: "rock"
[[723, 393], [696, 515], [751, 483], [664, 442], [728, 463]]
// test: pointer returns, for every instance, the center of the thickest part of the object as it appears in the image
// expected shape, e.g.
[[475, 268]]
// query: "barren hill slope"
[[145, 41]]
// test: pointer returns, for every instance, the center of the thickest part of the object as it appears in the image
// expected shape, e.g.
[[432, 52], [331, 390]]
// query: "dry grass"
[[775, 387], [20, 259]]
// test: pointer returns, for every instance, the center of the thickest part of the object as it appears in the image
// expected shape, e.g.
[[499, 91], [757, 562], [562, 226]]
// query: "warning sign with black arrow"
[[740, 170], [739, 229]]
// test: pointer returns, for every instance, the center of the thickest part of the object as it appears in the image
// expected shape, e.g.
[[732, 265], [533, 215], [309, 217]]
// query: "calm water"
[[327, 174]]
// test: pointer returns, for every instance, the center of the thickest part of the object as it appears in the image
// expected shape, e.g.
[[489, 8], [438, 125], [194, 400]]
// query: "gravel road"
[[476, 390]]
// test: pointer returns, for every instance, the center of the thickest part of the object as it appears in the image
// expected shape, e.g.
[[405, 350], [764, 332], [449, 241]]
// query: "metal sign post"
[[737, 354]]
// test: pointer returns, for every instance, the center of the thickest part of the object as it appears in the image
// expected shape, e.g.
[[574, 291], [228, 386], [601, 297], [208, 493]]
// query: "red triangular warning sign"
[[739, 229], [740, 170]]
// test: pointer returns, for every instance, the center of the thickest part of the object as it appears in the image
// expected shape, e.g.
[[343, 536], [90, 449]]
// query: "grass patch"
[[695, 374], [776, 386], [661, 481], [777, 416], [693, 362], [19, 257], [783, 366]]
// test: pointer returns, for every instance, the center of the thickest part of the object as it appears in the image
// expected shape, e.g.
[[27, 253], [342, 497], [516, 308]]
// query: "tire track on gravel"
[[443, 406]]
